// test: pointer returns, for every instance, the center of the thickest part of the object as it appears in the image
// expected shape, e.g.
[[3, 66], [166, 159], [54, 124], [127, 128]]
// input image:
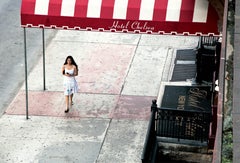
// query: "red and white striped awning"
[[181, 17]]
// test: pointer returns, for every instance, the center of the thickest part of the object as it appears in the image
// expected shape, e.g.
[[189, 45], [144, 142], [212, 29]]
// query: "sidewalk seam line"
[[130, 65]]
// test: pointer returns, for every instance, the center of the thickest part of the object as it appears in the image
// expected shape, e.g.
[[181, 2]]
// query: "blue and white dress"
[[69, 83]]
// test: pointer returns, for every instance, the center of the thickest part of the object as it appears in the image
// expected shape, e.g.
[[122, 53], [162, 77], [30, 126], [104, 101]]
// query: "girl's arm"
[[75, 71], [63, 70]]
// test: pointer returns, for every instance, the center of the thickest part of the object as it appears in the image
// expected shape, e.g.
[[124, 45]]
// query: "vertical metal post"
[[44, 79], [26, 74]]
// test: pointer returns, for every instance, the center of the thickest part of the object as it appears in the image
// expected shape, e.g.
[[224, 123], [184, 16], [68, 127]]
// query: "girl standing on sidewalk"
[[69, 71]]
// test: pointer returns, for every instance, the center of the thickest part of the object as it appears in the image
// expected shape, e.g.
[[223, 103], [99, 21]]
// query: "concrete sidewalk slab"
[[71, 151], [45, 103], [133, 108], [124, 142], [19, 127], [19, 149], [102, 67], [40, 103], [105, 69], [97, 37], [46, 139], [170, 41], [145, 73]]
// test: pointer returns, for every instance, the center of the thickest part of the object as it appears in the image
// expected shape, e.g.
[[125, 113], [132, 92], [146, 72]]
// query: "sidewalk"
[[119, 76]]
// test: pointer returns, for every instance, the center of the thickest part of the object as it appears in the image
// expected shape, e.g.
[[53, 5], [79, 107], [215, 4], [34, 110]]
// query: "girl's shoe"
[[66, 111]]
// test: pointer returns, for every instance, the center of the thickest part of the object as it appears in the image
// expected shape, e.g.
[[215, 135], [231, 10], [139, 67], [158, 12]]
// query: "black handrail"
[[150, 136]]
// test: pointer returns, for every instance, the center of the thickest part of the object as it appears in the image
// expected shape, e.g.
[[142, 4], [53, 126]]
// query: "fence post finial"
[[154, 104]]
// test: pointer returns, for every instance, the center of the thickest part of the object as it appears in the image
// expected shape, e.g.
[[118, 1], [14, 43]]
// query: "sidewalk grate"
[[185, 67], [186, 54]]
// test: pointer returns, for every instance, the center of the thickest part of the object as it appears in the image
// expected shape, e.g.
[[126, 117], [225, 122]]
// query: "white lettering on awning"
[[173, 10], [200, 11], [68, 7], [146, 10], [41, 7]]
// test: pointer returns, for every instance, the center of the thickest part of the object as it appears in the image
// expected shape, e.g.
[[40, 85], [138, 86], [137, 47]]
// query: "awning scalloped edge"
[[117, 31]]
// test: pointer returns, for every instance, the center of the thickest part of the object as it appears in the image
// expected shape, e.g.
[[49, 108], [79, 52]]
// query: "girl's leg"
[[67, 103], [71, 98]]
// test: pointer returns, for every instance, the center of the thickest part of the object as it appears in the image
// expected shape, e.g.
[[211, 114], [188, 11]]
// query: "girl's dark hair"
[[73, 62]]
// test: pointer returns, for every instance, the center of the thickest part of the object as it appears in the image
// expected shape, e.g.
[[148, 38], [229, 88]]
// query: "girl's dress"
[[69, 83]]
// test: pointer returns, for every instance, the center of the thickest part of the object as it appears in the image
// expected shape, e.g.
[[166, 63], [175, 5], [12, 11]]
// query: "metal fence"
[[178, 124], [182, 124], [209, 40], [150, 145]]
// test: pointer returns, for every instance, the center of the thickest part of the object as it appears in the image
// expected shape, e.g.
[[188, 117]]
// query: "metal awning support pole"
[[44, 76], [26, 74]]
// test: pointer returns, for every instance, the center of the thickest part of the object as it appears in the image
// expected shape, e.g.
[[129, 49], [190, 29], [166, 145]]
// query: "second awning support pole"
[[44, 75], [26, 72]]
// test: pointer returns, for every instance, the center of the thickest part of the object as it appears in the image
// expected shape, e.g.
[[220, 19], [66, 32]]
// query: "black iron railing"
[[172, 123], [209, 40], [150, 141], [183, 124]]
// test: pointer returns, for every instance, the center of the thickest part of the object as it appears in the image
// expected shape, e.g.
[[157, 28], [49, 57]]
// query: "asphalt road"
[[12, 64]]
